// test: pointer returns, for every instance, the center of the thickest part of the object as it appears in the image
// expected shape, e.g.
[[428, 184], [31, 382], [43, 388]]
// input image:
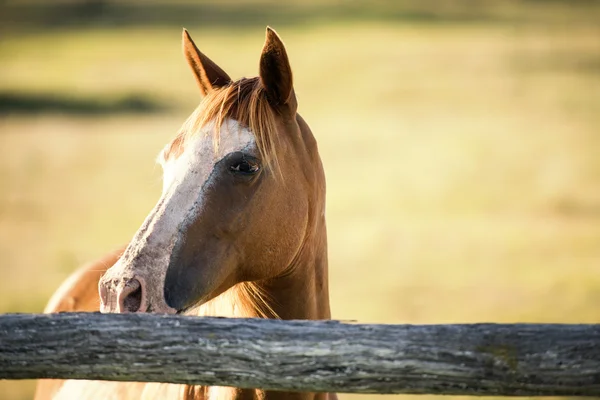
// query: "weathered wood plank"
[[478, 359]]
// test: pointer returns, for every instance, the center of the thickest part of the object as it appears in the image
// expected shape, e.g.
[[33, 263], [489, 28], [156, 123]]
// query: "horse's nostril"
[[130, 298], [133, 301]]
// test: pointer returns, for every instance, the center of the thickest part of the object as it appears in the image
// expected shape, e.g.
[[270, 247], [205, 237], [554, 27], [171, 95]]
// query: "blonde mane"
[[244, 101], [244, 300]]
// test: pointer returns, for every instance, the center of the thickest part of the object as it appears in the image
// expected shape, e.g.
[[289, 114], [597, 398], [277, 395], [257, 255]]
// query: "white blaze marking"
[[184, 180], [185, 177]]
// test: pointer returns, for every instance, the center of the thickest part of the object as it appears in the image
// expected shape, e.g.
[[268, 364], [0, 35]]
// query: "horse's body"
[[239, 230]]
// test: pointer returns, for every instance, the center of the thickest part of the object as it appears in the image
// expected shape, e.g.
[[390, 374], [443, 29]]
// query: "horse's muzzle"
[[128, 295]]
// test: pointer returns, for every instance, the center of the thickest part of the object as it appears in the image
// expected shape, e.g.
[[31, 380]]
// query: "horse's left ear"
[[276, 73]]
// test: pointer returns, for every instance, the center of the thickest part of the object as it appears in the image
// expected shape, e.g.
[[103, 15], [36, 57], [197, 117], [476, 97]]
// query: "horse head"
[[243, 192]]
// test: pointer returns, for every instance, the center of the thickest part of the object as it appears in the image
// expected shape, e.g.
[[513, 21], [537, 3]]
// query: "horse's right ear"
[[208, 75]]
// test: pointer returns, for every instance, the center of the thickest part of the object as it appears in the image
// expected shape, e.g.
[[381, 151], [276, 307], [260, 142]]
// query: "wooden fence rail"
[[477, 359]]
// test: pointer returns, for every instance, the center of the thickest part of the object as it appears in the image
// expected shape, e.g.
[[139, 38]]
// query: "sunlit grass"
[[462, 162]]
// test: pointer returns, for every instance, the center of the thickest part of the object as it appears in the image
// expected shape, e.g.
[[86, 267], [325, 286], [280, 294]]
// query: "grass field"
[[463, 159]]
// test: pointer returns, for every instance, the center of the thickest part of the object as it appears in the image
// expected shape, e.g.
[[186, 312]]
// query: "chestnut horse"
[[239, 230]]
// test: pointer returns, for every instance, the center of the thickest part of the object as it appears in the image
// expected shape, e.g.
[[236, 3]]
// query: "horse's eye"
[[245, 167]]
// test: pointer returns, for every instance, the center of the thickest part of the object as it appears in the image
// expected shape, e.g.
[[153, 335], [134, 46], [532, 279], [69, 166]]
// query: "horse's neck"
[[302, 293]]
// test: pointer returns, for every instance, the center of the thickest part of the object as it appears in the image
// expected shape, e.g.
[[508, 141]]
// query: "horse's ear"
[[208, 75], [275, 71]]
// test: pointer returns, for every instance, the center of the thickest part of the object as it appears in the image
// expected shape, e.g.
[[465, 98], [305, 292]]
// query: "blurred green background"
[[460, 139]]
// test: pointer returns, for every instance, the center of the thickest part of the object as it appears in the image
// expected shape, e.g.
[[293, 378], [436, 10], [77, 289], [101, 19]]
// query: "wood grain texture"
[[475, 359]]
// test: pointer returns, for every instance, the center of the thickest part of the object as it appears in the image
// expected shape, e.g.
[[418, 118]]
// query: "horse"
[[239, 229]]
